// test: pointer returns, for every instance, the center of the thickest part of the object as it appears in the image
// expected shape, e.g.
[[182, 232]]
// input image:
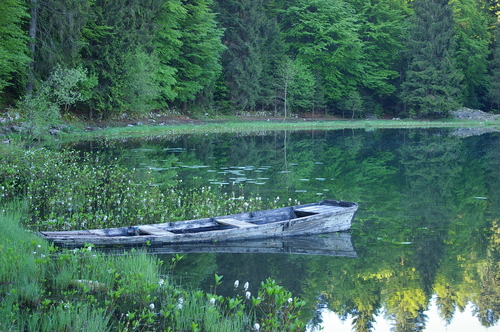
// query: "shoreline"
[[472, 122]]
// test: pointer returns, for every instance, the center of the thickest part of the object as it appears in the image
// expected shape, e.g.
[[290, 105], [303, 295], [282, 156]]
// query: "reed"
[[22, 257]]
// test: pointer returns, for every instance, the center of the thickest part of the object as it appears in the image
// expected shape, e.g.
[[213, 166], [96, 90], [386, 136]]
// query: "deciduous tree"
[[323, 34]]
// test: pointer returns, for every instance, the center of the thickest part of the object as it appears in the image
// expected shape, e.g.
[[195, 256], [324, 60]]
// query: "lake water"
[[425, 241]]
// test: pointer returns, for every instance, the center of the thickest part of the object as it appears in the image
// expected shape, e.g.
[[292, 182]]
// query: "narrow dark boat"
[[327, 216]]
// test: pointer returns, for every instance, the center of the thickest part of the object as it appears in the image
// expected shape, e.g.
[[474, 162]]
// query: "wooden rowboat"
[[327, 216]]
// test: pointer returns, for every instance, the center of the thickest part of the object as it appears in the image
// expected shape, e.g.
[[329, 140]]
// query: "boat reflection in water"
[[332, 244]]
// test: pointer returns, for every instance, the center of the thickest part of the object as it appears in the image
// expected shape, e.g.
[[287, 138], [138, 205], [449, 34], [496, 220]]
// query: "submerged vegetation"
[[65, 190]]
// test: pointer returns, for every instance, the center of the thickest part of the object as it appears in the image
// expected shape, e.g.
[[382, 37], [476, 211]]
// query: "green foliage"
[[13, 43], [382, 32], [59, 40], [431, 87], [472, 50], [23, 257], [83, 289], [66, 87], [167, 44], [296, 85], [119, 53], [279, 310], [40, 112], [323, 34], [63, 88], [252, 56], [197, 62], [230, 55], [494, 69], [67, 191], [352, 103]]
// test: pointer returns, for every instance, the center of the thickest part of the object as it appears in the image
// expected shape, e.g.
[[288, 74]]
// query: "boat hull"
[[309, 219]]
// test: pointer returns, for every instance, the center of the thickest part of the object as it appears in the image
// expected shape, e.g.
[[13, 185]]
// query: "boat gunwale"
[[231, 233]]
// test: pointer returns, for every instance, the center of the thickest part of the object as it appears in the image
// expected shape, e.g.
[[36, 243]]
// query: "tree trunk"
[[286, 90], [31, 45]]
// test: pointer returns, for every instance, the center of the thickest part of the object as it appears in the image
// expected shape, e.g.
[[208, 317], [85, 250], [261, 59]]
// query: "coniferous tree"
[[119, 51], [432, 83], [245, 61], [198, 62], [13, 44], [274, 56], [494, 67], [167, 43], [473, 39], [59, 35]]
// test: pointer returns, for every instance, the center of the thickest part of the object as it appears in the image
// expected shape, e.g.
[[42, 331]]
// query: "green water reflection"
[[427, 227]]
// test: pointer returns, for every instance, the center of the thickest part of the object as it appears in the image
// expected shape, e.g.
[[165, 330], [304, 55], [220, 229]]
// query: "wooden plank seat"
[[318, 209], [234, 222], [151, 230]]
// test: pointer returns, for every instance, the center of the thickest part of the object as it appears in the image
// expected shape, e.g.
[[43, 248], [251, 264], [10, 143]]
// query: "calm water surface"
[[426, 238]]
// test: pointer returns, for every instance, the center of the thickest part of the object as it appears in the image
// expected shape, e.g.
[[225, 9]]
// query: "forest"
[[351, 58]]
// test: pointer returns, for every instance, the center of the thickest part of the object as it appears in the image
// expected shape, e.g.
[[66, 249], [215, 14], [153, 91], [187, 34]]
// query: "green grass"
[[42, 289], [242, 126], [233, 124]]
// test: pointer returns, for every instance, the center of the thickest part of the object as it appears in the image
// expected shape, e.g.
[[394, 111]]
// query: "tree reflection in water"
[[426, 234]]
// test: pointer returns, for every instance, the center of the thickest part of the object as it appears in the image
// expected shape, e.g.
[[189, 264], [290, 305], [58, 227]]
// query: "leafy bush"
[[64, 88]]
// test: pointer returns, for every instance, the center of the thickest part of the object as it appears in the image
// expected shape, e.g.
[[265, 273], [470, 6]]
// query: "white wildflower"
[[161, 282], [256, 327], [248, 295], [236, 283], [181, 302], [152, 306], [290, 300], [212, 301], [246, 285]]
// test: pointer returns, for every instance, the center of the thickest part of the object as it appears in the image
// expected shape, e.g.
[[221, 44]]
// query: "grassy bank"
[[85, 290], [251, 126], [167, 125]]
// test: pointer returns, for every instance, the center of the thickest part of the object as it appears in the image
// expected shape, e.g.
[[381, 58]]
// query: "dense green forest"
[[101, 58]]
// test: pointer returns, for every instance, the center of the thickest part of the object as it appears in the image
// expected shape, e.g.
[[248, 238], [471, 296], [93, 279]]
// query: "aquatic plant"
[[43, 289], [66, 190]]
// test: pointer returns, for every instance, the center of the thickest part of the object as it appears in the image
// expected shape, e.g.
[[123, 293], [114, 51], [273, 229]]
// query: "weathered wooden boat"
[[316, 218]]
